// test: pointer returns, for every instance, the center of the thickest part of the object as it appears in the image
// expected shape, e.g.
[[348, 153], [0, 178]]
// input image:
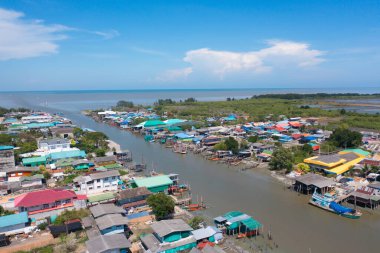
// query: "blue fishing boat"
[[327, 202]]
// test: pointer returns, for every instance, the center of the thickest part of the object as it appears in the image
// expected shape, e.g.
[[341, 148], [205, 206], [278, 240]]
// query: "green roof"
[[101, 197], [113, 166], [268, 152], [357, 151], [155, 181], [36, 159], [232, 214], [13, 219], [101, 168], [153, 123], [67, 154], [251, 224], [64, 162]]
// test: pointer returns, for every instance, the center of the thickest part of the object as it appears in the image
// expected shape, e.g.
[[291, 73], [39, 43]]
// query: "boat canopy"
[[340, 209]]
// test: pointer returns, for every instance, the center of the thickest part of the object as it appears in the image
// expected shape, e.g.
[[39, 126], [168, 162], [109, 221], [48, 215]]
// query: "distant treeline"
[[6, 110], [314, 95]]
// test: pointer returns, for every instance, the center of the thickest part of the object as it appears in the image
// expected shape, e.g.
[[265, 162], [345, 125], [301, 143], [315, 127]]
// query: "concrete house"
[[52, 145], [98, 182]]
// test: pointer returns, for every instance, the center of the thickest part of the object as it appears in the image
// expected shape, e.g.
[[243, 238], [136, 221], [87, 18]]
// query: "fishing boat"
[[327, 202]]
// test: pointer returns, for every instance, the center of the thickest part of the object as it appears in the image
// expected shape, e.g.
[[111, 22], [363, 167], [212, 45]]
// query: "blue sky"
[[69, 44]]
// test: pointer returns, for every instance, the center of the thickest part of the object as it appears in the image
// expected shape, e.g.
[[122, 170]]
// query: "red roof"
[[296, 136], [280, 129], [203, 244], [295, 124], [81, 197], [37, 198]]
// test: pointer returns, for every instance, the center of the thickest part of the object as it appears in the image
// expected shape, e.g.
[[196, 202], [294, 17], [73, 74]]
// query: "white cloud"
[[148, 51], [277, 54], [21, 38], [175, 74], [107, 35]]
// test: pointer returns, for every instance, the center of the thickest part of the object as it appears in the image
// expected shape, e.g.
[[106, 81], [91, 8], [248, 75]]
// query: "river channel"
[[296, 226]]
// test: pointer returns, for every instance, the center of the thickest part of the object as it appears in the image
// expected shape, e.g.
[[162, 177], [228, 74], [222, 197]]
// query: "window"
[[98, 180]]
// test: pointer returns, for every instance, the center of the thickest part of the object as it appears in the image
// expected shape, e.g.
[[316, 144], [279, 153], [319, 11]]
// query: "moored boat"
[[327, 202]]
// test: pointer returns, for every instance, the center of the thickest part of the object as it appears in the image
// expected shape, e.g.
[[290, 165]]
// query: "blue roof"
[[6, 147], [13, 219], [183, 136], [39, 125], [67, 154], [10, 120]]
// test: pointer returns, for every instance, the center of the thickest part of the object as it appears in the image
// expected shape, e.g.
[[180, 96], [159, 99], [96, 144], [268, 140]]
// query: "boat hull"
[[350, 216]]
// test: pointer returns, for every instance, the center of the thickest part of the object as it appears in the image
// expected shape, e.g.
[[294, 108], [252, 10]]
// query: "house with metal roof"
[[34, 161], [7, 158], [108, 243], [207, 249], [133, 197], [43, 202], [112, 224], [336, 163], [169, 236], [310, 182], [210, 233], [154, 184], [13, 223], [15, 173], [104, 209], [73, 153], [236, 222]]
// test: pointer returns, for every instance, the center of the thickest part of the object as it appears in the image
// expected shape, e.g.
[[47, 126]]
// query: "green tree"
[[345, 138], [126, 104], [190, 100], [4, 212], [281, 159], [232, 145], [307, 149], [6, 139], [161, 204], [303, 167], [253, 138], [220, 146], [71, 215], [196, 221], [47, 175]]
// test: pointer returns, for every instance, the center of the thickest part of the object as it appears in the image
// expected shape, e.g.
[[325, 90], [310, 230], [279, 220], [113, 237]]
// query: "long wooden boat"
[[326, 202]]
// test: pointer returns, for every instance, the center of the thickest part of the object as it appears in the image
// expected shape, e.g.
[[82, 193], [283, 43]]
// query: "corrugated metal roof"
[[13, 219], [155, 181]]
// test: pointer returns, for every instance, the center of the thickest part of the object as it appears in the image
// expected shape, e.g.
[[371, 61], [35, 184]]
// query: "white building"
[[97, 182], [52, 145], [36, 119]]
